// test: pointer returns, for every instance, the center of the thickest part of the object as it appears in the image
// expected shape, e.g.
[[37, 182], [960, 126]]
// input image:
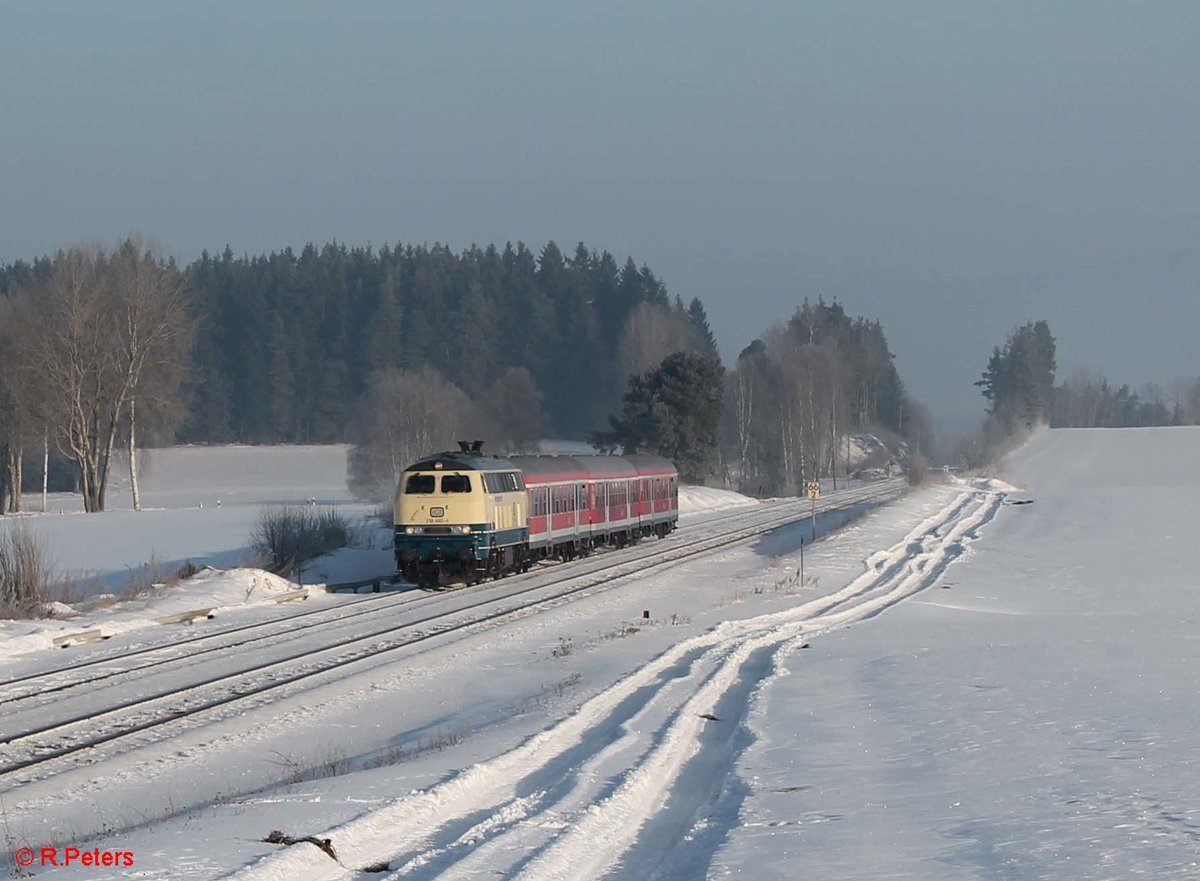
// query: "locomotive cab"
[[459, 516]]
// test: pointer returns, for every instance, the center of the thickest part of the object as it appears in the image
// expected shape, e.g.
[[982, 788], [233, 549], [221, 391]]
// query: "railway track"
[[110, 664], [36, 740]]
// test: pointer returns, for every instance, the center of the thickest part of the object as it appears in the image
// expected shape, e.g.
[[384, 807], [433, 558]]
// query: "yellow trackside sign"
[[814, 490]]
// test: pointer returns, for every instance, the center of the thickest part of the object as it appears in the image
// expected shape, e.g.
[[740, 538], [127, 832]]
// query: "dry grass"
[[26, 576], [289, 536]]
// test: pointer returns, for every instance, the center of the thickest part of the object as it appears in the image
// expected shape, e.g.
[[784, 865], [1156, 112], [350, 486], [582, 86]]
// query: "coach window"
[[456, 483], [419, 484]]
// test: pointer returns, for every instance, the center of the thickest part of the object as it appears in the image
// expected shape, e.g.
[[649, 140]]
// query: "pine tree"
[[1018, 382], [674, 411], [704, 334]]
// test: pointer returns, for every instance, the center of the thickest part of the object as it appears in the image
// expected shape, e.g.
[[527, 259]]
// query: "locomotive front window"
[[456, 483], [419, 484]]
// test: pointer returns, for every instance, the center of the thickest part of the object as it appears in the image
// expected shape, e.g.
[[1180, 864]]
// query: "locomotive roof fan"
[[473, 448]]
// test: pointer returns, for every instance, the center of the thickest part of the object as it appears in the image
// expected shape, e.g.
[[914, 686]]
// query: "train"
[[466, 515]]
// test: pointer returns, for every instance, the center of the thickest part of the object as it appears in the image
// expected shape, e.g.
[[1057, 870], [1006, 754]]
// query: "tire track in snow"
[[584, 827]]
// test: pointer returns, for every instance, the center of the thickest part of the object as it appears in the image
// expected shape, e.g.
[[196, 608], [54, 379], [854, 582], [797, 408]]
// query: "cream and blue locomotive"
[[460, 514], [466, 516]]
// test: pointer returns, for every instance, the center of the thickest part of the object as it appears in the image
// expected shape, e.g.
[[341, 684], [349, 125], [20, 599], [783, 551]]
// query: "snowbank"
[[213, 589], [697, 499]]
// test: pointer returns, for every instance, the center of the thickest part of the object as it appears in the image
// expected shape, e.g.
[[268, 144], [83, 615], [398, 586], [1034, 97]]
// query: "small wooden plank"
[[182, 617], [291, 595], [62, 642]]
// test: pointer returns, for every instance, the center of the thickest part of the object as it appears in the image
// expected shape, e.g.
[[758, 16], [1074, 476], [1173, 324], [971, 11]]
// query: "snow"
[[694, 500], [201, 504], [962, 687], [217, 591]]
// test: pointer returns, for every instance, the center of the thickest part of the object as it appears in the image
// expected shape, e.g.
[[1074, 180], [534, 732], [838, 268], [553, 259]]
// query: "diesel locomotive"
[[466, 515]]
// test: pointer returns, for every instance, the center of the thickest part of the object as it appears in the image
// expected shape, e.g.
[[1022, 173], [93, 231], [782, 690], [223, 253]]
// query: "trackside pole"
[[802, 561], [814, 493]]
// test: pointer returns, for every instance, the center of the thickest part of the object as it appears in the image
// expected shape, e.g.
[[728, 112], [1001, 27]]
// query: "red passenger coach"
[[577, 503]]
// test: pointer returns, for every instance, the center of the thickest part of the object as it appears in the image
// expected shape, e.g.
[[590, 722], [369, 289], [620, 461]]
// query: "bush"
[[24, 570], [287, 536]]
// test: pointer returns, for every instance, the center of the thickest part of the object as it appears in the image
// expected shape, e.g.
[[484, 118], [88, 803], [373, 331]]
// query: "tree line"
[[402, 349], [322, 346], [1018, 384], [1087, 400], [796, 395]]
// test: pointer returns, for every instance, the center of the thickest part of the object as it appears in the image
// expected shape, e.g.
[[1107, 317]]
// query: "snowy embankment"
[[213, 591], [1032, 717]]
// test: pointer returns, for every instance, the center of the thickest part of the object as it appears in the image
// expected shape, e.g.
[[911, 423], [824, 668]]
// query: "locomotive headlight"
[[413, 530], [466, 530], [461, 530]]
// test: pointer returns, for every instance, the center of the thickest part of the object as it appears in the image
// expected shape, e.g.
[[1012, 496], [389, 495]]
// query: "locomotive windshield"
[[419, 484], [456, 483]]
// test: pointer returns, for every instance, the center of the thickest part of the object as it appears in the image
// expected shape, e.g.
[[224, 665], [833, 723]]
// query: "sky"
[[950, 169]]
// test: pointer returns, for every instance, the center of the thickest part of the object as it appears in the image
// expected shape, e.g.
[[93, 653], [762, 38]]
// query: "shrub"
[[287, 537], [24, 570]]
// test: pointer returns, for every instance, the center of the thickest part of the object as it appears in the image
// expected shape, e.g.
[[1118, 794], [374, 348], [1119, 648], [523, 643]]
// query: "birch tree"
[[154, 340], [99, 329]]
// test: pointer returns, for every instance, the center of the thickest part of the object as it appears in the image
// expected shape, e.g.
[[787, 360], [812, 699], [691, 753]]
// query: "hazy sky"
[[951, 168]]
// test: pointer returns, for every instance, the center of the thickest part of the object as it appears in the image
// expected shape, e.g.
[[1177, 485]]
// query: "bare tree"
[[25, 402], [71, 330], [1191, 403], [401, 417], [651, 333], [742, 386], [99, 329], [513, 408], [154, 335], [12, 411]]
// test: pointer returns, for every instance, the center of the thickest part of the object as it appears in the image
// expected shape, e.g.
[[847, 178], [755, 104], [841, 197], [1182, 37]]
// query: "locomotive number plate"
[[437, 512]]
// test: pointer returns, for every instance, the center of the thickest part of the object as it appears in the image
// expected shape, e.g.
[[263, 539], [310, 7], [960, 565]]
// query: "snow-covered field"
[[963, 688], [201, 504]]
